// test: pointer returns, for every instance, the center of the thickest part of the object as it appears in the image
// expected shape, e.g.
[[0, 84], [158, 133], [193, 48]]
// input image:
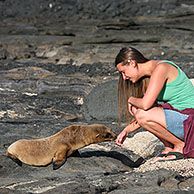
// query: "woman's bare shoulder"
[[166, 68]]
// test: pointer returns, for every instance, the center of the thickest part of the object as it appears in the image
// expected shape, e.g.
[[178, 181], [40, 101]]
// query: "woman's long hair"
[[126, 88]]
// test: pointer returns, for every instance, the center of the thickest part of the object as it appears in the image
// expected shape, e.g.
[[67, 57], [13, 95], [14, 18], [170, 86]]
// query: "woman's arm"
[[133, 126], [157, 80]]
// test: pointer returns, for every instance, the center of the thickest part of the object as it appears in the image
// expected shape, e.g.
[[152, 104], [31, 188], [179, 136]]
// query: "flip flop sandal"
[[161, 155], [178, 155]]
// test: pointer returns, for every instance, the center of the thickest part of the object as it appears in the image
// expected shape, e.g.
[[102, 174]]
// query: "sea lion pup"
[[56, 148]]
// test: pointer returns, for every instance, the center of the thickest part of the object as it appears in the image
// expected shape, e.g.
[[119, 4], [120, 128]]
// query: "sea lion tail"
[[14, 158]]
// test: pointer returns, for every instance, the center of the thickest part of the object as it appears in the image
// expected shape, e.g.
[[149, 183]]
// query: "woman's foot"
[[159, 157], [167, 150], [171, 154], [162, 155], [176, 152]]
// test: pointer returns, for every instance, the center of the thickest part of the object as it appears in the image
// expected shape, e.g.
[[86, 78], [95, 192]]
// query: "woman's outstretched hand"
[[133, 126], [121, 137]]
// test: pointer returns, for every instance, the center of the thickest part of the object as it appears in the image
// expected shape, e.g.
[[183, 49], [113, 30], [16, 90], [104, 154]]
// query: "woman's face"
[[129, 71]]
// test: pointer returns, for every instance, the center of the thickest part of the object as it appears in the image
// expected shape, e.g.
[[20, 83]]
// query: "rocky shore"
[[57, 69]]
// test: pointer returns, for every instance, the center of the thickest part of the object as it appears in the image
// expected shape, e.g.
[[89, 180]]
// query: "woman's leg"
[[154, 121], [168, 147]]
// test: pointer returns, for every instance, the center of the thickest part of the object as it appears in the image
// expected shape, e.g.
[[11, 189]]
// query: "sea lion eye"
[[108, 135]]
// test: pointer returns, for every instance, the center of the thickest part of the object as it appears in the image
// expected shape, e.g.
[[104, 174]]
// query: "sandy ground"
[[148, 146]]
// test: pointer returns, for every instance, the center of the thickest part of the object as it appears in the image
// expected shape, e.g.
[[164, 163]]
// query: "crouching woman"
[[142, 83]]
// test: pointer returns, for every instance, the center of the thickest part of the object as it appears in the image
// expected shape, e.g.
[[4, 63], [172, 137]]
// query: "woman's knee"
[[141, 116], [151, 115]]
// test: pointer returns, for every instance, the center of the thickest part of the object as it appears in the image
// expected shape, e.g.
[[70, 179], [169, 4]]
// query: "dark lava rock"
[[79, 9], [102, 102], [57, 69]]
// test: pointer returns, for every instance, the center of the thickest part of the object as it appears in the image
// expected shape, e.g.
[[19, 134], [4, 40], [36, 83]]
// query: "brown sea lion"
[[56, 148]]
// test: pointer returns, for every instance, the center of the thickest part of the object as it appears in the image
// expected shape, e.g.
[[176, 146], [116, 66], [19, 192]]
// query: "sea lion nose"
[[114, 136]]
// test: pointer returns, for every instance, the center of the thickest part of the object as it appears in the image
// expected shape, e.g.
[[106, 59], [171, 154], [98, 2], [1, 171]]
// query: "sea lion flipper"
[[15, 159], [60, 157]]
